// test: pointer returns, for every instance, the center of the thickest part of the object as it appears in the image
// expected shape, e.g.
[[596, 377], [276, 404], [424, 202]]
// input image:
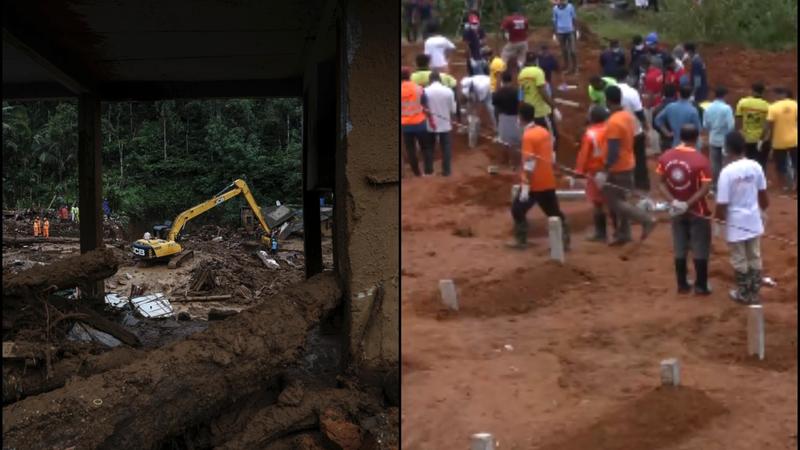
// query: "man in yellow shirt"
[[422, 77], [496, 67], [781, 129], [533, 91], [751, 117]]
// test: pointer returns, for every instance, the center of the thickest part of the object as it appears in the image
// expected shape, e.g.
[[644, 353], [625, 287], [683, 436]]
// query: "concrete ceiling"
[[94, 45]]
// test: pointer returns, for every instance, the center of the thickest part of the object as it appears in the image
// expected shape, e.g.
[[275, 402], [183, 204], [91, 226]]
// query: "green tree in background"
[[159, 158]]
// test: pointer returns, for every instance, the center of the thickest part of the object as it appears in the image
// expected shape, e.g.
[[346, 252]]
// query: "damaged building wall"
[[367, 186]]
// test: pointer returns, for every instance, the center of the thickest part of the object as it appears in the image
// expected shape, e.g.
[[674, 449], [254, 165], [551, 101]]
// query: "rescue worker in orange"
[[36, 227], [589, 162], [46, 227], [538, 179], [413, 118]]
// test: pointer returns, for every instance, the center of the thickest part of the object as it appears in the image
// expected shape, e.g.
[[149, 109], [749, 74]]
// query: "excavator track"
[[178, 260]]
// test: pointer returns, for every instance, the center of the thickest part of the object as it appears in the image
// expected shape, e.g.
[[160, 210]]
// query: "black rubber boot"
[[566, 237], [520, 241], [680, 273], [701, 286], [600, 233]]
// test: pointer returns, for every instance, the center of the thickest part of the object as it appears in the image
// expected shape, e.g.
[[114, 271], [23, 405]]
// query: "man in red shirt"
[[673, 74], [653, 92], [515, 29], [685, 181], [538, 179]]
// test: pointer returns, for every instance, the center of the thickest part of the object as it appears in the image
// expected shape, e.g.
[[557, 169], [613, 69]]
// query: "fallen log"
[[207, 298], [145, 402], [81, 271]]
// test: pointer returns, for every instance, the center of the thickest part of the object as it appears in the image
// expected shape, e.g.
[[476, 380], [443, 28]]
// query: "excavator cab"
[[160, 231]]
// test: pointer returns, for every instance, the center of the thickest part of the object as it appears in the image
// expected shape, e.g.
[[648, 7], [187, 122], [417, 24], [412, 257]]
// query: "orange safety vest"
[[411, 112], [35, 227]]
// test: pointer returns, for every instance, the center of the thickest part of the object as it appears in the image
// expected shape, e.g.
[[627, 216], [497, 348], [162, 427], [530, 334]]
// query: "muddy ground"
[[546, 356], [319, 417]]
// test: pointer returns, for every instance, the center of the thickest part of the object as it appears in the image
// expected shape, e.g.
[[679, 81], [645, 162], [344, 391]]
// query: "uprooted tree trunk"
[[175, 387], [81, 271]]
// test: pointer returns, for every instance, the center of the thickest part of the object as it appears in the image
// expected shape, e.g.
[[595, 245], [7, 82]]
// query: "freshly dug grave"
[[139, 405]]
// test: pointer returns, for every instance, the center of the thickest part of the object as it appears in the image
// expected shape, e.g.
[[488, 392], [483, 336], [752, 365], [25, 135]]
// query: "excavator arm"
[[231, 191]]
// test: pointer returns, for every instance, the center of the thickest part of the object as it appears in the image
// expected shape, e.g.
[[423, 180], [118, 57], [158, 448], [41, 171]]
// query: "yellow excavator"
[[163, 245]]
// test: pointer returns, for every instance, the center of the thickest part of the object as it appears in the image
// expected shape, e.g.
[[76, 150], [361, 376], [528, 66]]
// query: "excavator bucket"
[[180, 259]]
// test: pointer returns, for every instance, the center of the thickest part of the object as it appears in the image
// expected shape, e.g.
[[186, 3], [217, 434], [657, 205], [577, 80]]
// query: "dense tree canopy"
[[159, 158]]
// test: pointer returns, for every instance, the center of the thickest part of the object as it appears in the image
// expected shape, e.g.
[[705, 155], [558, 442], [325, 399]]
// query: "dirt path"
[[552, 357]]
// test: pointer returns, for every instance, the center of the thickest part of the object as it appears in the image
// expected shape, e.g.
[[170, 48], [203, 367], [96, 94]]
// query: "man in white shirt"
[[632, 102], [441, 106], [437, 47], [478, 91], [741, 202]]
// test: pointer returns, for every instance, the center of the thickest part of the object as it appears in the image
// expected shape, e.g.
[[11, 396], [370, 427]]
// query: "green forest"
[[159, 158]]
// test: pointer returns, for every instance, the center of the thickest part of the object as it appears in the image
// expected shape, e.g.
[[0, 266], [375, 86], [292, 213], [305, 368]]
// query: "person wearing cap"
[[685, 183], [515, 29], [496, 68], [751, 116], [698, 79], [589, 162], [781, 130], [475, 38], [412, 118], [718, 121], [437, 48], [565, 32]]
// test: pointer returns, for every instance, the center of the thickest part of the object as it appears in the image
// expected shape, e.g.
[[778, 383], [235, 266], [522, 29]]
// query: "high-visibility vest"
[[411, 112]]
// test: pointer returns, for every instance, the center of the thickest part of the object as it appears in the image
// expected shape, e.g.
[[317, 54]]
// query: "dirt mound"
[[531, 287], [659, 419]]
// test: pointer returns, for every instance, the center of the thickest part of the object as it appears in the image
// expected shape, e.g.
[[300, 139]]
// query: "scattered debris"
[[269, 262], [152, 306], [206, 298], [84, 333]]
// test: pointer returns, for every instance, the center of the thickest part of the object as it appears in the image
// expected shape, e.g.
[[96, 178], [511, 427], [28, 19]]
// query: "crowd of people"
[[707, 147]]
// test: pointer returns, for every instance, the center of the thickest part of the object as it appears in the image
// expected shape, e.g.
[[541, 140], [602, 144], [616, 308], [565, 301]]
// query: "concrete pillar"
[[367, 212], [90, 179], [670, 372], [555, 235], [482, 441], [312, 236], [755, 331]]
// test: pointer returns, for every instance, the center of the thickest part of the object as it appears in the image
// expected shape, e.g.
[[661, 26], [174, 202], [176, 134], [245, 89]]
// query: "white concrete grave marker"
[[755, 331], [447, 289], [670, 372], [482, 441], [555, 233]]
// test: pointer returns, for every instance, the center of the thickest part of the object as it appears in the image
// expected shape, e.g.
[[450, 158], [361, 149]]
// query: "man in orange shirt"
[[538, 179], [590, 161], [618, 168]]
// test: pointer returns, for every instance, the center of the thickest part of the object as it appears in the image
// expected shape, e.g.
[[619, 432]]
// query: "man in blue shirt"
[[612, 60], [697, 67], [718, 120], [565, 32], [677, 114]]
